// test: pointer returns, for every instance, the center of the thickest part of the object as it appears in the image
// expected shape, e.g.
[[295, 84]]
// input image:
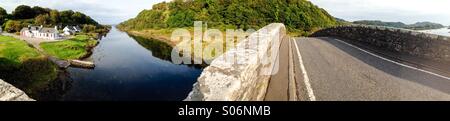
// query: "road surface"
[[338, 71]]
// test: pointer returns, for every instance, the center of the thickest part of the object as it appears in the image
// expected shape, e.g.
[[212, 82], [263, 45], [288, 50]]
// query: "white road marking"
[[448, 78], [292, 84], [305, 75]]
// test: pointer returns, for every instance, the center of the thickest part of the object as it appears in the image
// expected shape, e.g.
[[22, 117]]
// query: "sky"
[[407, 11]]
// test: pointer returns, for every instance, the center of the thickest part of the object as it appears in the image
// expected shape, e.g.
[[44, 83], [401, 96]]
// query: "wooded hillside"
[[299, 15]]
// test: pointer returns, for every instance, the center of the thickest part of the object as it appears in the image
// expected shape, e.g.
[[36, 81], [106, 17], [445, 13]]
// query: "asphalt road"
[[338, 71]]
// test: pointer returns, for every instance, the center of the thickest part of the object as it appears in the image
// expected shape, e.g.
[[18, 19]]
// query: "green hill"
[[297, 15]]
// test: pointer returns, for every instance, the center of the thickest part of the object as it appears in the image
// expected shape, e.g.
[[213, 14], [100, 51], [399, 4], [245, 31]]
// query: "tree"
[[23, 12], [13, 26], [65, 17], [39, 10], [54, 17], [89, 28], [3, 16], [160, 6], [181, 19], [78, 18], [24, 15], [70, 17], [43, 19]]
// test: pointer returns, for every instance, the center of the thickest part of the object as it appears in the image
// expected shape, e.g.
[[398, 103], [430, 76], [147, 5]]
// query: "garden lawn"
[[75, 48], [23, 66], [14, 51]]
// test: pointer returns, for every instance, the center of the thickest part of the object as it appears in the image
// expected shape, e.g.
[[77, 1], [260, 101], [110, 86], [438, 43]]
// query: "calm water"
[[444, 31], [127, 68]]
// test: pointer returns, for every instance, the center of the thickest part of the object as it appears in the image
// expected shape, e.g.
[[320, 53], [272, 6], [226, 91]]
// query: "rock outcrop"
[[10, 93], [246, 76]]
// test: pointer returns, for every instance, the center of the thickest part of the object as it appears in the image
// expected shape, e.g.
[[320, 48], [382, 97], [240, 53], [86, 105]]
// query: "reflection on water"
[[160, 49], [127, 68], [157, 48], [443, 31], [54, 89]]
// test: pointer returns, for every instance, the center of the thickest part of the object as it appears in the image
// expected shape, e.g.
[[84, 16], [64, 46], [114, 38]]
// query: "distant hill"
[[381, 23], [415, 26], [340, 20], [295, 14], [425, 25]]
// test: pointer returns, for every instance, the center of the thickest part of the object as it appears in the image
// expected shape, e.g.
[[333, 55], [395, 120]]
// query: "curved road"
[[340, 71]]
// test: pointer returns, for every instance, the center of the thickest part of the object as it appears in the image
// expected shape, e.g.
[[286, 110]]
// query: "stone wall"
[[10, 93], [247, 78], [428, 46]]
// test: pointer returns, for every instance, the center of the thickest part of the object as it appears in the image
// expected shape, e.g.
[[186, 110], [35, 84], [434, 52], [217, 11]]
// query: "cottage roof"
[[73, 28], [24, 29], [34, 28], [48, 30], [77, 27], [69, 27]]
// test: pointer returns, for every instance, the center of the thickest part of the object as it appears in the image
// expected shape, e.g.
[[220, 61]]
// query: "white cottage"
[[40, 32], [71, 30]]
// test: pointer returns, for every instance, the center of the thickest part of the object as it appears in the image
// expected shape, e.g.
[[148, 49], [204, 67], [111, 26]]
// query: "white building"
[[71, 30], [40, 32]]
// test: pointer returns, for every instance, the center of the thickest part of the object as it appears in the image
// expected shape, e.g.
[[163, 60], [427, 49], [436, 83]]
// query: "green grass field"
[[74, 48], [15, 51], [23, 66]]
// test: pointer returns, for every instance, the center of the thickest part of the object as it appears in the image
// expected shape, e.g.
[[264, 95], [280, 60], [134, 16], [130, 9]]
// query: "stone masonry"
[[10, 93], [423, 45], [246, 80]]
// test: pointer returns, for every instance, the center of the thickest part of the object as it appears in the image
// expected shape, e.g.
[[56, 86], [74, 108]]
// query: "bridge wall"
[[428, 46], [11, 93], [245, 79]]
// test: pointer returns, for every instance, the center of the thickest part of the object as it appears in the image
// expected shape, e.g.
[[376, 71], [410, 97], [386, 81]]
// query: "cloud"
[[104, 11], [408, 11]]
